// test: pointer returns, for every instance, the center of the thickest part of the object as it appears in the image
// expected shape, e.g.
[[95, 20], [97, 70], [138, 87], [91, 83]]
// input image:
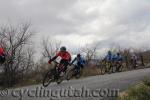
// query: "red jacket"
[[64, 56], [1, 51]]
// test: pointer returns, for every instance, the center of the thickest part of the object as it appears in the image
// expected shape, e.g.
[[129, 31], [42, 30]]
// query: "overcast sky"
[[78, 22]]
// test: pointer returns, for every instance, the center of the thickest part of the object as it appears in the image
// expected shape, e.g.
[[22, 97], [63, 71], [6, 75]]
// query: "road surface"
[[102, 87]]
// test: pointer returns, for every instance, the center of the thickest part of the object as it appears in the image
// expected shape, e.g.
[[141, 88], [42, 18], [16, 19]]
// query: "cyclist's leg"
[[106, 66], [64, 64], [110, 66], [134, 64], [81, 66], [118, 66], [78, 67], [121, 66], [60, 67], [113, 65], [2, 59]]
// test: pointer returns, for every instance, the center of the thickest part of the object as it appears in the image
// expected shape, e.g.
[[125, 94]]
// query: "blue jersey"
[[109, 57], [118, 58], [80, 61]]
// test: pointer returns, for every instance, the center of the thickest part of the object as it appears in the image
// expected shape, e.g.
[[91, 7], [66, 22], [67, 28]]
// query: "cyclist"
[[2, 55], [119, 57], [109, 59], [64, 62], [118, 61], [134, 60], [79, 62]]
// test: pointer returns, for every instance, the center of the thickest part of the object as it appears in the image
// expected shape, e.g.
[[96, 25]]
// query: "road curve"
[[99, 84]]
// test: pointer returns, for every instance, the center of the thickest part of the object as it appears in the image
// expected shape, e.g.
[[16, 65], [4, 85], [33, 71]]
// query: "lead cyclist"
[[65, 60]]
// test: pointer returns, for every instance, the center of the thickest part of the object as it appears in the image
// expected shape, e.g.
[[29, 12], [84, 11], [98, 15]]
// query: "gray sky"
[[78, 22]]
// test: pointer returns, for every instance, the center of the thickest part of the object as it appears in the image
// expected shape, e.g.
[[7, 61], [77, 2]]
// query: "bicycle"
[[134, 63], [119, 66], [103, 67], [53, 75], [108, 66], [73, 72]]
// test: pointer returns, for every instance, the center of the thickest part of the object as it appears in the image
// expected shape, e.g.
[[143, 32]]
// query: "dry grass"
[[91, 71], [138, 92]]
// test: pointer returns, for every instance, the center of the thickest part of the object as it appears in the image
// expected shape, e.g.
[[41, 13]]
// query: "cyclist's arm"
[[83, 61], [121, 58], [69, 56], [54, 58], [73, 61]]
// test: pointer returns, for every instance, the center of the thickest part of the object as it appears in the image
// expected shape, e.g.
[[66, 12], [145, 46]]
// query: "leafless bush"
[[19, 54], [90, 52], [49, 48]]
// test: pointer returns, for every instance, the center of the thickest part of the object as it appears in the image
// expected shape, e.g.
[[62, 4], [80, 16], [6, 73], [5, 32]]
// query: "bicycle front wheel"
[[49, 77]]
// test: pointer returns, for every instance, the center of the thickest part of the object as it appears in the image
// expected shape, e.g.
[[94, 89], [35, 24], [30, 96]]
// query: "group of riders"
[[78, 61], [114, 60]]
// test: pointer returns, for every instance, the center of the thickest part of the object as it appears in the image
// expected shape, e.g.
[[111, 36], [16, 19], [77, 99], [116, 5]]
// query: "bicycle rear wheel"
[[49, 77], [121, 68], [103, 68], [59, 80], [78, 74]]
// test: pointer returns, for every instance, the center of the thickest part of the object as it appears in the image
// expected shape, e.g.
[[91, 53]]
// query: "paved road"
[[91, 88]]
